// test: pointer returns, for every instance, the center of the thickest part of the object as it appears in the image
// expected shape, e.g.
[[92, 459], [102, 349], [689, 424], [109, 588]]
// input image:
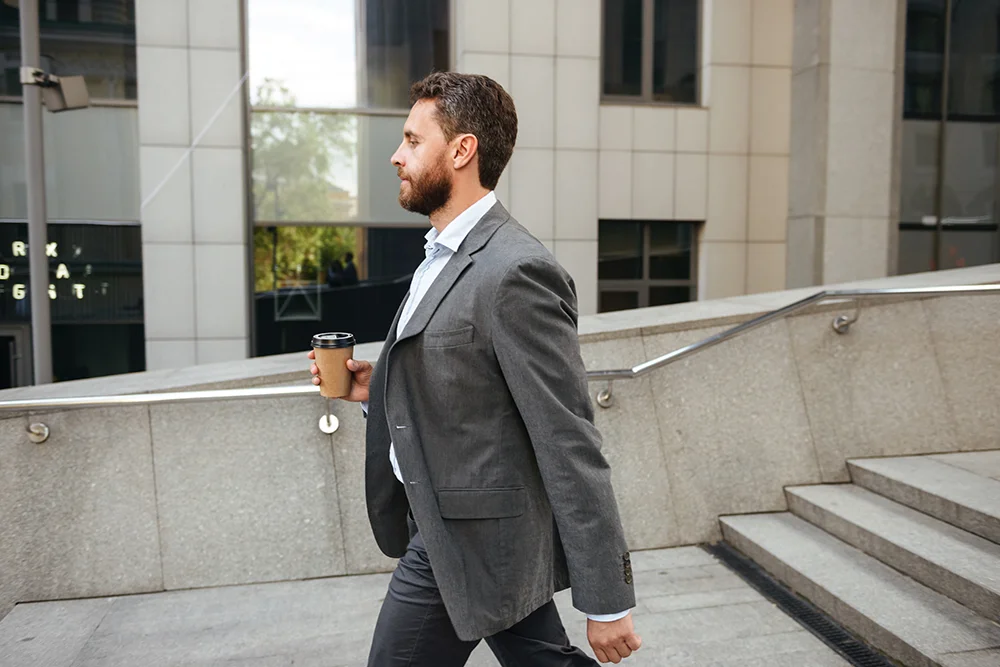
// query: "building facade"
[[229, 193]]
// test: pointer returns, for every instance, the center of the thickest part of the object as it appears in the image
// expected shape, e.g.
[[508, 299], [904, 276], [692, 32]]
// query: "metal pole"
[[38, 264]]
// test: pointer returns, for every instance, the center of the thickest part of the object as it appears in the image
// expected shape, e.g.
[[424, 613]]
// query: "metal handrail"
[[841, 324], [158, 398]]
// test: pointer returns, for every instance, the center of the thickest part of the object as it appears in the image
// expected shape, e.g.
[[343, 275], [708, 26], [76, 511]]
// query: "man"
[[350, 272], [483, 468]]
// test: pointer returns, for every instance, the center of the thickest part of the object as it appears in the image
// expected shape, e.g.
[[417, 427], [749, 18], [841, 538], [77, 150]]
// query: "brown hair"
[[478, 105]]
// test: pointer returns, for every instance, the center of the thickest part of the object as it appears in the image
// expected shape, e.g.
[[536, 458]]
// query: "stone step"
[[904, 619], [926, 483], [956, 563]]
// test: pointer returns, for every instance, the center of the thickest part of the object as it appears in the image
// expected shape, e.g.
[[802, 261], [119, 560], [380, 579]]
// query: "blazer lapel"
[[453, 270], [390, 336]]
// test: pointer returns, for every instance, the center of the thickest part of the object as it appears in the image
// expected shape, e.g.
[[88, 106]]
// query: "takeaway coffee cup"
[[332, 352]]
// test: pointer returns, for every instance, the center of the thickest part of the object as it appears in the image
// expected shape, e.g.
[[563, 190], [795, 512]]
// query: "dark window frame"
[[946, 118], [643, 285], [648, 33]]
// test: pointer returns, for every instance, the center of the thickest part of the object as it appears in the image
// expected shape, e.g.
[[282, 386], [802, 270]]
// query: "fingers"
[[312, 354], [613, 641], [358, 366]]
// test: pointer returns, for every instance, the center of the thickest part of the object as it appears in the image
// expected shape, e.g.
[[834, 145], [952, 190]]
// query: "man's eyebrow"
[[410, 134]]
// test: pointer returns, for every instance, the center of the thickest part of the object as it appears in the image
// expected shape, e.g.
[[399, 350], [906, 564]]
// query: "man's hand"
[[362, 377], [613, 641]]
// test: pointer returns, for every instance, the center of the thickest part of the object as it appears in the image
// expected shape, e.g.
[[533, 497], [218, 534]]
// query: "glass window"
[[919, 178], [958, 186], [670, 251], [623, 47], [92, 38], [925, 35], [614, 300], [310, 278], [651, 50], [620, 250], [974, 71], [961, 246], [664, 296], [323, 167], [644, 264], [95, 276], [91, 157], [345, 53], [970, 173], [675, 51]]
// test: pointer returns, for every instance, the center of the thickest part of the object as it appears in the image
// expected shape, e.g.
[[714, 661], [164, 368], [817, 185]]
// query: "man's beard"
[[429, 194]]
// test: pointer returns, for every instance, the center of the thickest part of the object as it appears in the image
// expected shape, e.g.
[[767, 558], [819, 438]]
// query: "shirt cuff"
[[364, 406], [609, 618]]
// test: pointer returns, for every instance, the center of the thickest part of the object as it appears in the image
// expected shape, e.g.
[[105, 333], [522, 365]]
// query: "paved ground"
[[692, 612]]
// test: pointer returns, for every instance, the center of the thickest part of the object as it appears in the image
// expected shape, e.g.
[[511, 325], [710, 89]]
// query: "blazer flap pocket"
[[452, 338], [481, 503]]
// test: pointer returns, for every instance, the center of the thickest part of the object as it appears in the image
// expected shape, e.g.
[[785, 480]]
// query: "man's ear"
[[464, 151]]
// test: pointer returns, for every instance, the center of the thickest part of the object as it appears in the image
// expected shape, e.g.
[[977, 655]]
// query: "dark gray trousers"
[[414, 630]]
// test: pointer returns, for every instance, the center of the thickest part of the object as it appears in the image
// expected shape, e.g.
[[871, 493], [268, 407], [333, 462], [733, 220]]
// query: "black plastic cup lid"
[[333, 340]]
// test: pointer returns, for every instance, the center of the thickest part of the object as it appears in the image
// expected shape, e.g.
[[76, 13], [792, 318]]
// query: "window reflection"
[[960, 185], [675, 51], [90, 164], [672, 50], [329, 54], [974, 77], [644, 263], [93, 38], [311, 278], [623, 47], [925, 35], [321, 167]]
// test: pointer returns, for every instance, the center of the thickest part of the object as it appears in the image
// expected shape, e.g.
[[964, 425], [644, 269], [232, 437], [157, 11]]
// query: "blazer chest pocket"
[[452, 338], [500, 503]]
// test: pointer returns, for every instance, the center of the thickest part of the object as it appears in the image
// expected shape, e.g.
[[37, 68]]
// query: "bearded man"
[[484, 472]]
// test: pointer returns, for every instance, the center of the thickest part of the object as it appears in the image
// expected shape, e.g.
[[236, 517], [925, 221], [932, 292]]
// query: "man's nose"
[[396, 159]]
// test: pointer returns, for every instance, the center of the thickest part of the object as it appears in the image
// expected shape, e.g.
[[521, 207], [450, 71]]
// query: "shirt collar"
[[459, 228]]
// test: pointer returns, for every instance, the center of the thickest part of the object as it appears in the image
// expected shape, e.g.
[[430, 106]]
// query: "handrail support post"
[[606, 397]]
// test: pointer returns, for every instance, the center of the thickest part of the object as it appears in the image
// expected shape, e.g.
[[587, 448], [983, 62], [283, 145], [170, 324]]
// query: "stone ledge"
[[291, 368]]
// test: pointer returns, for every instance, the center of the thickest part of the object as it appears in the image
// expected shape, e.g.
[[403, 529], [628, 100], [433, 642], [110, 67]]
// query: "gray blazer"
[[485, 396]]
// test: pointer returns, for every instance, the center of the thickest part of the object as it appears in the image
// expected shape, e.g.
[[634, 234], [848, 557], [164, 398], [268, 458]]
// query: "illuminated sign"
[[95, 273], [20, 290]]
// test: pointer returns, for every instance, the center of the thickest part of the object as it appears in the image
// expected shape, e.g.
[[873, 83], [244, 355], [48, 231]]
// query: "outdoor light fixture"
[[59, 93]]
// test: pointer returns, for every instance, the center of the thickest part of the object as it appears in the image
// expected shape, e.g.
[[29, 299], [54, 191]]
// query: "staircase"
[[907, 557]]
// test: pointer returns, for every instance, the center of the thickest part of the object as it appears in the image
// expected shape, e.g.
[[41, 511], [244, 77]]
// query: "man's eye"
[[412, 142]]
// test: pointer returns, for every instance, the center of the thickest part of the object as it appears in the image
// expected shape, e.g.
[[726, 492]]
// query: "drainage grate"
[[833, 635]]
